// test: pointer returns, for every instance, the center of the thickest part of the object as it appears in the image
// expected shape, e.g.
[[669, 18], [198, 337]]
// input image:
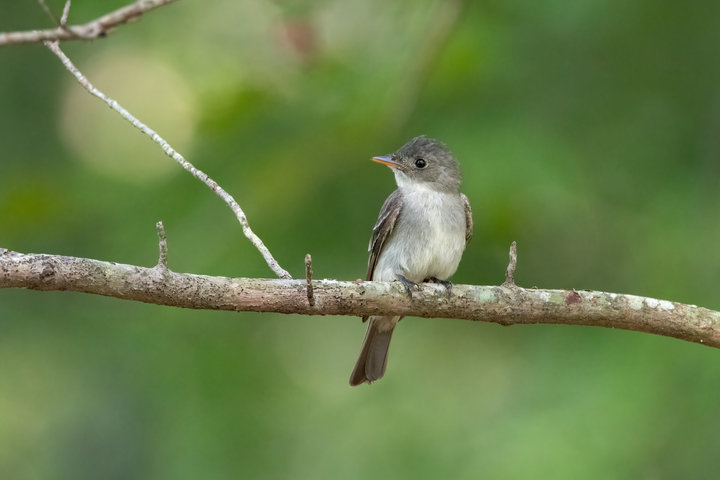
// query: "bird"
[[420, 235]]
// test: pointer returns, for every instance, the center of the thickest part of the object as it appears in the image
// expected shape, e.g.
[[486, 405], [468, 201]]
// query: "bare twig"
[[97, 28], [162, 245], [169, 151], [512, 265], [492, 304], [65, 14], [308, 277], [62, 21]]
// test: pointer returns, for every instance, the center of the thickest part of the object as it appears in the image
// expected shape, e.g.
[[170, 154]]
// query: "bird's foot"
[[409, 285], [445, 283]]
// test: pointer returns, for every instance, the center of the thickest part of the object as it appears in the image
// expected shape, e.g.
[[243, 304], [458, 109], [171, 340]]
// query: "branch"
[[504, 305], [98, 28], [170, 152]]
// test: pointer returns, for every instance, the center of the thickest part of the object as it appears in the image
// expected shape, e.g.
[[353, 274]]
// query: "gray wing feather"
[[389, 213], [468, 218]]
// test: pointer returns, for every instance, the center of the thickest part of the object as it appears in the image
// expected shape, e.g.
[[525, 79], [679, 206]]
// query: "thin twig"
[[308, 277], [65, 13], [169, 151], [162, 246], [62, 21], [97, 28], [512, 265]]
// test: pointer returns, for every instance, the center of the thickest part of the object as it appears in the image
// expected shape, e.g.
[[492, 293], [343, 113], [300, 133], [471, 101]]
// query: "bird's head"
[[426, 163]]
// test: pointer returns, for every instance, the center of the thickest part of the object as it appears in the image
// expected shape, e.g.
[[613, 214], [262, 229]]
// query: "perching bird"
[[420, 235]]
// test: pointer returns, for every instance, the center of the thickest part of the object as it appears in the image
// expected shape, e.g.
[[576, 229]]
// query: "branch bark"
[[506, 305], [97, 28]]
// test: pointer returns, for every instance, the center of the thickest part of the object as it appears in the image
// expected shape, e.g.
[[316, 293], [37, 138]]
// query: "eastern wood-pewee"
[[419, 236]]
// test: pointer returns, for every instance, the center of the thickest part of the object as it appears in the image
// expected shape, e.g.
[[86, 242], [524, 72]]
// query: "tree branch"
[[504, 305], [98, 28]]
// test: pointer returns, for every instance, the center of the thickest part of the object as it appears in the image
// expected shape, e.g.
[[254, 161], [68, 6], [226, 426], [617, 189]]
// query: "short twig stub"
[[308, 276], [162, 245], [512, 264]]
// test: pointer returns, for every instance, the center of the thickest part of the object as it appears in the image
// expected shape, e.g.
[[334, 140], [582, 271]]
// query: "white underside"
[[428, 238]]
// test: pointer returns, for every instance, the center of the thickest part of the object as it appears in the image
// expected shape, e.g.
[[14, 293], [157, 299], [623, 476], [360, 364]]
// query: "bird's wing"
[[468, 218], [389, 213]]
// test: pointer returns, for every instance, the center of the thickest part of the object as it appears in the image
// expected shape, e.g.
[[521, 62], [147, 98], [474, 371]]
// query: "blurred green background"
[[588, 131]]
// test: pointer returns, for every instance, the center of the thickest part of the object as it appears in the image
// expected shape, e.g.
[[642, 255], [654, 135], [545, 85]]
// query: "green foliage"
[[587, 132]]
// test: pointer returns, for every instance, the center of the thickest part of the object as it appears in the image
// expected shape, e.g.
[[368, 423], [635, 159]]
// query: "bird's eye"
[[420, 163]]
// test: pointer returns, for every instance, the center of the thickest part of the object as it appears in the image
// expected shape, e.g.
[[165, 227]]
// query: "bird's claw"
[[408, 284]]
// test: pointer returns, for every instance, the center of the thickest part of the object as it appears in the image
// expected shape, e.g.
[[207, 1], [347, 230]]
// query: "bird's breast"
[[428, 238]]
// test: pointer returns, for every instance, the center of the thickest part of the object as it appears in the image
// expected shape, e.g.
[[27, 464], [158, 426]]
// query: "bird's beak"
[[386, 160]]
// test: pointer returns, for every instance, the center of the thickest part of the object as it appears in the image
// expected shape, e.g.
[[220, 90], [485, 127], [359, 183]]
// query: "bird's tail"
[[371, 364]]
